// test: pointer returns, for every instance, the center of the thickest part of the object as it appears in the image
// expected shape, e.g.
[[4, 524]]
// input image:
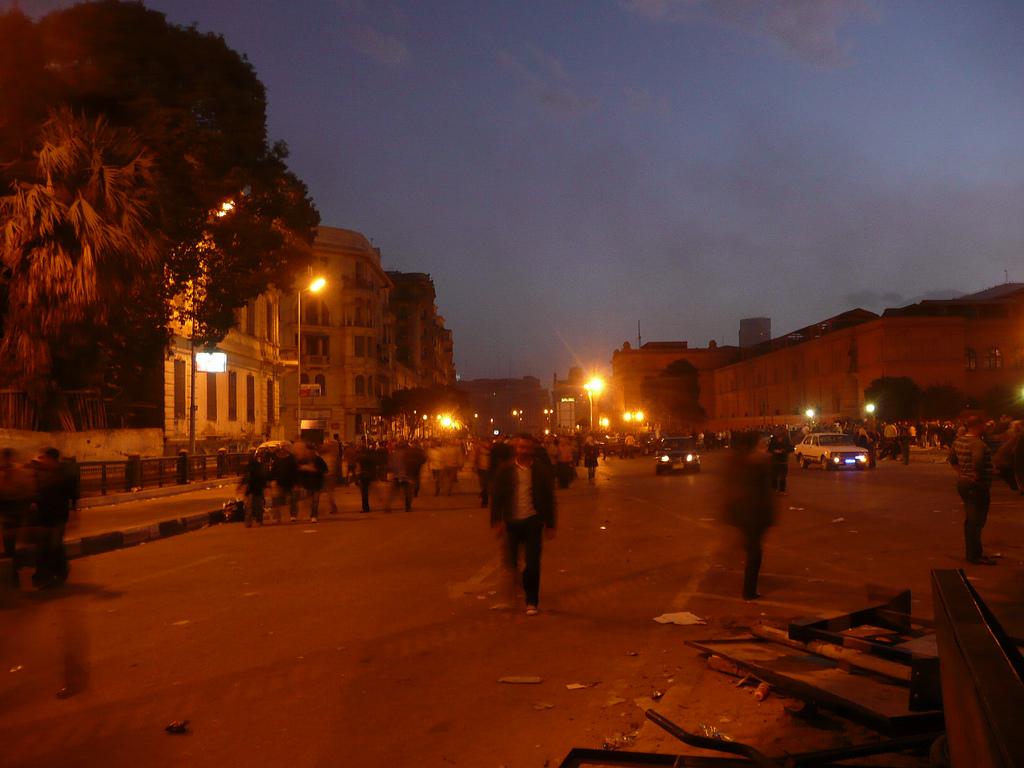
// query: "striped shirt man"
[[973, 459]]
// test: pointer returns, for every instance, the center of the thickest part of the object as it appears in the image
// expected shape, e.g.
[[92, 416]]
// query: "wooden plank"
[[814, 678]]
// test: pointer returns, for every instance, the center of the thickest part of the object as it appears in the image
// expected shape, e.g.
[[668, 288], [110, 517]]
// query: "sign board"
[[211, 362], [309, 390]]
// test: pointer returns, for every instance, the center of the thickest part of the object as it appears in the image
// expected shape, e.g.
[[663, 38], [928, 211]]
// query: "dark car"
[[677, 453]]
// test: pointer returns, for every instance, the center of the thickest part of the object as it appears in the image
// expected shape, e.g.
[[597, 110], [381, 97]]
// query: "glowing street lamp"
[[604, 422], [594, 387], [315, 286], [638, 417], [870, 407], [809, 413], [627, 416]]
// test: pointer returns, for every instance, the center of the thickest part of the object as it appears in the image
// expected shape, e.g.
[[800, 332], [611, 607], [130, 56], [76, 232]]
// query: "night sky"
[[566, 169]]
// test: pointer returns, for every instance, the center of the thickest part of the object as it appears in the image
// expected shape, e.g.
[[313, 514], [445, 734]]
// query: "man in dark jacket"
[[971, 458], [254, 485], [779, 446], [285, 474], [523, 511]]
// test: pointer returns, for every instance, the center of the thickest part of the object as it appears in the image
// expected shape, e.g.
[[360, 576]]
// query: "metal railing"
[[99, 478]]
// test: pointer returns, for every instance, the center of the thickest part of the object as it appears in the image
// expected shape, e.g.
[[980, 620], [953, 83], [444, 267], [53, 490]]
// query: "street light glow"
[[595, 386], [809, 413], [870, 407], [317, 285], [627, 416], [638, 416], [604, 422]]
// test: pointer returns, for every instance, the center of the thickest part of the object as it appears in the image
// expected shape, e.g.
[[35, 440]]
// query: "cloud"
[[808, 29], [383, 48], [546, 80]]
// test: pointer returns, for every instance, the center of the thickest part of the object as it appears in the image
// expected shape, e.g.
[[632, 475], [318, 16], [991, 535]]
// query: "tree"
[[73, 238], [895, 397], [198, 112], [672, 398], [1003, 400], [942, 402]]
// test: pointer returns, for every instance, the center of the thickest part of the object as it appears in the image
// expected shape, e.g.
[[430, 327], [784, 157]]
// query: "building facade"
[[507, 406], [422, 342], [974, 344], [239, 407], [346, 344]]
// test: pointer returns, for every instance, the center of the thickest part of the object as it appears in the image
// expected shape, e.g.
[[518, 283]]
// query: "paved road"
[[371, 640]]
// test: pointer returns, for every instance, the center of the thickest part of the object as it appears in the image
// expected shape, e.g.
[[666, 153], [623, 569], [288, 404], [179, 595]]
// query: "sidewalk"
[[135, 521]]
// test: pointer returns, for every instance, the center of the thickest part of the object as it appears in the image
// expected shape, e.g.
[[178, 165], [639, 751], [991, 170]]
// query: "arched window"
[[304, 378], [369, 385], [360, 385], [322, 381], [971, 359], [993, 359]]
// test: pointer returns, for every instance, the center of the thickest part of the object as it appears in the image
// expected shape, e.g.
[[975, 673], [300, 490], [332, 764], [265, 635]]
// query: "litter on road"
[[839, 520], [177, 726], [684, 618], [578, 686]]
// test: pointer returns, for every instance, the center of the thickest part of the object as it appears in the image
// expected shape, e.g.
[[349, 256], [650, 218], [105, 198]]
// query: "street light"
[[594, 387], [809, 413], [315, 286], [870, 407]]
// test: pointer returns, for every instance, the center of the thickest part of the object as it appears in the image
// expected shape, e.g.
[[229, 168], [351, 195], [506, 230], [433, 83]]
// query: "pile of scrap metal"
[[880, 667]]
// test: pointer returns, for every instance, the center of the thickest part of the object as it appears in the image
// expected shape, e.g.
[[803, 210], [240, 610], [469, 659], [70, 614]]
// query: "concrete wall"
[[91, 445]]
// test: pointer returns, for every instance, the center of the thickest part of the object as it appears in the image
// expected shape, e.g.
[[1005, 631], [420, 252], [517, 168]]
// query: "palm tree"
[[74, 243]]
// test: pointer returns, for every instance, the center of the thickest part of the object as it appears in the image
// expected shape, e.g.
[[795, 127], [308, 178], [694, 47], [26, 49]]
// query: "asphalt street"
[[379, 639]]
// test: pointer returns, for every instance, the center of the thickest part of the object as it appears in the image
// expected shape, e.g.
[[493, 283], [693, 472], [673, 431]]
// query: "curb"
[[110, 541]]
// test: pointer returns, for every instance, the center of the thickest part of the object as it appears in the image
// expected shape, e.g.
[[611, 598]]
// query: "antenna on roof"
[[638, 339]]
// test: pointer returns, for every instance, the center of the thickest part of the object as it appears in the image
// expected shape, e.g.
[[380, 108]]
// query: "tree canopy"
[[895, 397], [194, 114]]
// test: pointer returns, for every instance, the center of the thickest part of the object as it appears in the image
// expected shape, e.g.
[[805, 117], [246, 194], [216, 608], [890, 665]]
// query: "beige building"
[[422, 342], [347, 339], [237, 408]]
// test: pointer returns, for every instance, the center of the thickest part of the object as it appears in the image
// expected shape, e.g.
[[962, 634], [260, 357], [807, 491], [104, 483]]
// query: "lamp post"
[[594, 387], [314, 287]]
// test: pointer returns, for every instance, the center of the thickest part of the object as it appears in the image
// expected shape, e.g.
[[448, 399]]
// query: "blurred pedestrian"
[[15, 496], [1003, 461], [312, 470], [330, 451], [365, 466], [56, 497], [564, 467], [435, 463], [452, 458], [523, 511], [400, 467], [482, 464], [779, 448], [285, 474], [590, 458], [417, 457], [253, 487], [749, 502], [971, 458]]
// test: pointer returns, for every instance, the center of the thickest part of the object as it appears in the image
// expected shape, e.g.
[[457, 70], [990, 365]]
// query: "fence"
[[98, 478]]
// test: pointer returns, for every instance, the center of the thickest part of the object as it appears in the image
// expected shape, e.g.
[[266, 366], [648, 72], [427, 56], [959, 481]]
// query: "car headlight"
[[689, 457], [836, 460], [665, 458], [861, 457]]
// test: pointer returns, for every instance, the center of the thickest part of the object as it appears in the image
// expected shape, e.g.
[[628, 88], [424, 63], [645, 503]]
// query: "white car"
[[831, 450]]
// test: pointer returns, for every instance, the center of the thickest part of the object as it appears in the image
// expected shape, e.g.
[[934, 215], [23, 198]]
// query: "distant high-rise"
[[754, 330]]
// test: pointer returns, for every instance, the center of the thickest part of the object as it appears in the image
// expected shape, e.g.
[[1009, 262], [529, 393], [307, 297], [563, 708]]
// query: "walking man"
[[590, 458], [523, 511], [972, 460], [750, 503], [56, 497], [779, 446]]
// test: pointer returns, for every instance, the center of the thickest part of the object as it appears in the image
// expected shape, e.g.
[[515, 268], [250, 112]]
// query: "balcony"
[[316, 359]]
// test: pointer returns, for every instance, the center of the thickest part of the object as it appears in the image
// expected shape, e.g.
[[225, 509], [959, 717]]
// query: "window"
[[232, 396], [250, 398], [369, 385], [321, 380], [271, 414], [360, 385], [360, 346], [179, 389], [211, 396], [993, 359], [972, 359]]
